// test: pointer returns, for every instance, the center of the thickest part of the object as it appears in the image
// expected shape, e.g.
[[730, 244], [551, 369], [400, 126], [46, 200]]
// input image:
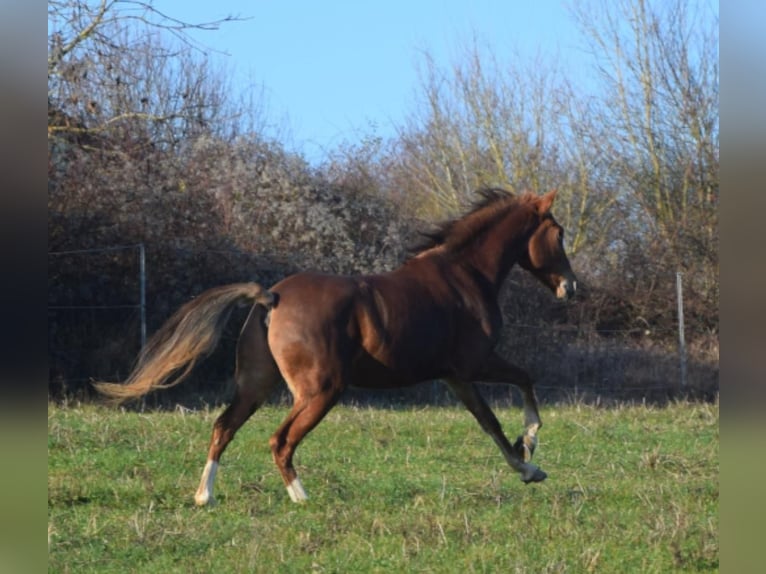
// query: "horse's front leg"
[[498, 370], [469, 395]]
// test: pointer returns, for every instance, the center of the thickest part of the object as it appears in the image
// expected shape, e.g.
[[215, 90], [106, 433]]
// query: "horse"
[[434, 317]]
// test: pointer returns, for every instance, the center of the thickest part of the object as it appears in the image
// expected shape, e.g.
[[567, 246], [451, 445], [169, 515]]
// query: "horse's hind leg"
[[256, 376], [308, 410], [226, 425]]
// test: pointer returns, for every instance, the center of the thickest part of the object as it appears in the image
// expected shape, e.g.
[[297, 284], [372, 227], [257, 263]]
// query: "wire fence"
[[140, 306], [98, 314]]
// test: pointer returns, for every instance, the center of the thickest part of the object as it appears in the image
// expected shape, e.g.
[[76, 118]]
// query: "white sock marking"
[[296, 492], [204, 494]]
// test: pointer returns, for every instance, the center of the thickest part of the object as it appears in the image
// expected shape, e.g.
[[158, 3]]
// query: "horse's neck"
[[493, 260], [495, 250], [481, 270], [488, 254]]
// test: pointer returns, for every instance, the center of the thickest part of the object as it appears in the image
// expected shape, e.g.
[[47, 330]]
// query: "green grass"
[[630, 489]]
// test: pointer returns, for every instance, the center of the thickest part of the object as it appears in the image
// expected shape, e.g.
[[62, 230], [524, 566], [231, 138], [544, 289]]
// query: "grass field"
[[630, 489]]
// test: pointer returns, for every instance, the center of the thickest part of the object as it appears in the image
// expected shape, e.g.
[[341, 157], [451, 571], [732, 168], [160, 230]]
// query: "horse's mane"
[[492, 204]]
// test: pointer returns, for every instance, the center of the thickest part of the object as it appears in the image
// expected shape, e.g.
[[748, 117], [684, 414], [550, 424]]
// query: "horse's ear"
[[545, 202]]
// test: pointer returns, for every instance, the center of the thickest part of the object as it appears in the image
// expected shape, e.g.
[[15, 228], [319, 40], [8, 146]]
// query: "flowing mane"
[[491, 204]]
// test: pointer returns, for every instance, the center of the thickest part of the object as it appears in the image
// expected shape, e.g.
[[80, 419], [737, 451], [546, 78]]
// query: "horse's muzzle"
[[566, 289]]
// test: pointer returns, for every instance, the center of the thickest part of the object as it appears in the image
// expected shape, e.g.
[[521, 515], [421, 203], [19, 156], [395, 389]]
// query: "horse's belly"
[[381, 373]]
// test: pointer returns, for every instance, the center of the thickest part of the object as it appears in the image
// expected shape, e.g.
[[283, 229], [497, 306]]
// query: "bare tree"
[[658, 62], [129, 95], [484, 124], [112, 74]]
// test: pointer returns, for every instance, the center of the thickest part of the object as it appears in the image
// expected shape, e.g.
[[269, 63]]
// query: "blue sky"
[[330, 70]]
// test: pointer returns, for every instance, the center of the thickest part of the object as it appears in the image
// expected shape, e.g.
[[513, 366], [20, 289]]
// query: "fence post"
[[681, 340], [142, 287]]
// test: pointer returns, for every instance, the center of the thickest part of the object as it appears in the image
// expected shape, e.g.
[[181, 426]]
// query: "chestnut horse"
[[435, 317]]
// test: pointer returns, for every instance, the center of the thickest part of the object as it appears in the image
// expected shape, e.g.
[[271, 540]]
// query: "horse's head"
[[545, 257]]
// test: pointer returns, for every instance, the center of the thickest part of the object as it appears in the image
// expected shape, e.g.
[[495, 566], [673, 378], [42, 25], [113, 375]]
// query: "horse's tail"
[[192, 333]]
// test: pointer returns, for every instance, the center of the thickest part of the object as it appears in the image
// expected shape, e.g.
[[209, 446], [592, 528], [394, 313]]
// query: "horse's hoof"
[[204, 499], [533, 474], [202, 502]]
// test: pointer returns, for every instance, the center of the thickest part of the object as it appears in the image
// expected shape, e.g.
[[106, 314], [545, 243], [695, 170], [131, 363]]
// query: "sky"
[[332, 71]]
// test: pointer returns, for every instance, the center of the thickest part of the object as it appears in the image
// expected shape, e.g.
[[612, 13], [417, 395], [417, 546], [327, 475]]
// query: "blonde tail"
[[191, 334]]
